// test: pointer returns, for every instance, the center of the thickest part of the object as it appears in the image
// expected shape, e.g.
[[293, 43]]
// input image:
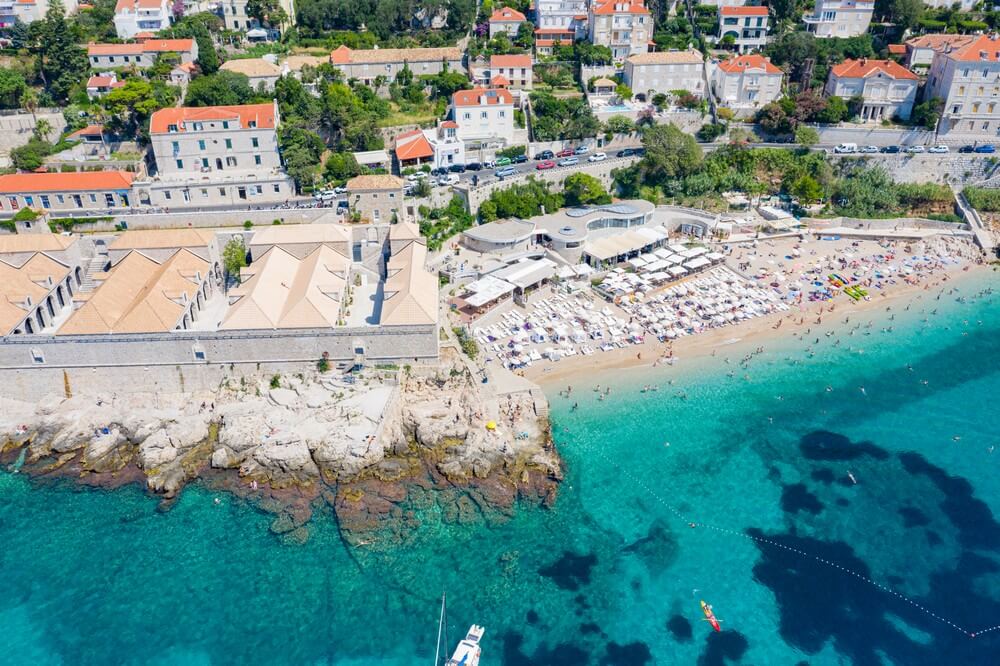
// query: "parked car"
[[569, 161], [890, 150], [545, 164], [566, 152], [986, 148], [544, 155], [505, 171], [938, 149], [325, 195], [519, 159], [414, 177], [914, 149], [846, 148], [450, 179], [597, 157], [868, 150], [342, 205], [626, 152], [967, 149], [581, 150], [502, 161], [639, 152], [473, 166], [457, 168]]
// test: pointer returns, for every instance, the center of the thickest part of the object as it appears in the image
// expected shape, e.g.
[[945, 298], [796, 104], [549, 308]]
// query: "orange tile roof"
[[89, 130], [472, 97], [138, 4], [859, 69], [621, 7], [146, 46], [413, 145], [985, 48], [938, 42], [506, 14], [26, 183], [554, 31], [100, 81], [263, 114], [374, 182], [750, 61], [499, 81], [510, 61], [897, 49], [450, 124], [743, 11], [343, 55]]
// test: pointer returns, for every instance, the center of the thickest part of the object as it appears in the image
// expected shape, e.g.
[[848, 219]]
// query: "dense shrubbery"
[[560, 118], [522, 200], [983, 199], [440, 224]]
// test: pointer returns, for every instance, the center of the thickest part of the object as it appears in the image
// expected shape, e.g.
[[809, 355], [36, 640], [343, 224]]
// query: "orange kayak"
[[710, 616]]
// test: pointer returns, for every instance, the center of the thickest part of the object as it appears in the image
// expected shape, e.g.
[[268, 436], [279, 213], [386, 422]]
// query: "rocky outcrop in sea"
[[377, 451]]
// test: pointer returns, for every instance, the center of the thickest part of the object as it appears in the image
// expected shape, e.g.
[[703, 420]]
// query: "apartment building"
[[546, 39], [506, 21], [79, 192], [28, 11], [135, 16], [746, 82], [140, 54], [624, 26], [967, 78], [366, 65], [661, 72], [920, 50], [439, 147], [483, 114], [235, 17], [840, 18], [746, 25], [376, 198], [565, 15], [888, 89], [510, 71], [216, 155]]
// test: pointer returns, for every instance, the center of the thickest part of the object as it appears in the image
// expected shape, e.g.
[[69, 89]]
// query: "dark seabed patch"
[[822, 475], [723, 648], [631, 654], [531, 617], [680, 627], [590, 628], [832, 446], [796, 497], [571, 571], [842, 501], [913, 517], [564, 654], [658, 549]]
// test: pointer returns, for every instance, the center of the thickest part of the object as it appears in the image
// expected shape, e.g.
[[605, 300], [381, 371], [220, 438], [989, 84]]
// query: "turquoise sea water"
[[758, 460]]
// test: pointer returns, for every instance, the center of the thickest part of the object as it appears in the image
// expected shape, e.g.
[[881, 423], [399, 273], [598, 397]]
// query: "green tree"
[[131, 105], [340, 166], [268, 12], [619, 125], [581, 189], [220, 89], [927, 113], [623, 92], [301, 150], [41, 129], [806, 188], [12, 87], [806, 136], [234, 257], [836, 111], [61, 61], [31, 155], [670, 153]]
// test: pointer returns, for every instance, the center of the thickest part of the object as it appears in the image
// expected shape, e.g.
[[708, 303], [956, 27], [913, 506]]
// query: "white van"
[[846, 148], [448, 179]]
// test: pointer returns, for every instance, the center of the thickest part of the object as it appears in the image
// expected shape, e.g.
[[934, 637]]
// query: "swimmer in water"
[[862, 389]]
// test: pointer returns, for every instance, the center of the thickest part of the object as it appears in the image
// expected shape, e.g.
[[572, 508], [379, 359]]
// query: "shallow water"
[[613, 574]]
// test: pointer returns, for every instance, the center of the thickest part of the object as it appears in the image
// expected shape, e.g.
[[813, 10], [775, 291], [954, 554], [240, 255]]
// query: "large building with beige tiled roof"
[[34, 292], [367, 65], [376, 198], [140, 295], [661, 72]]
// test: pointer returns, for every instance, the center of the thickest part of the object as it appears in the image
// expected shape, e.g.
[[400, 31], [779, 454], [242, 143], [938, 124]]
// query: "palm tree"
[[42, 129], [29, 102]]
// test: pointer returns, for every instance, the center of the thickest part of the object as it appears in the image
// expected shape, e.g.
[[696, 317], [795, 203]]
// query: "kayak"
[[710, 616]]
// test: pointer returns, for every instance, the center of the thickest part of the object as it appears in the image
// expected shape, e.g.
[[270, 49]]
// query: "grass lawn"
[[419, 114]]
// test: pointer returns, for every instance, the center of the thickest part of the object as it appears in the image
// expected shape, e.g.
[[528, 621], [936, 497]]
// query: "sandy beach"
[[756, 332]]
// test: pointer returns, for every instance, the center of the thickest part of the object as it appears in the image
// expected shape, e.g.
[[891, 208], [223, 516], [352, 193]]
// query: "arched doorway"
[[28, 327], [40, 319], [78, 274], [59, 297], [69, 286]]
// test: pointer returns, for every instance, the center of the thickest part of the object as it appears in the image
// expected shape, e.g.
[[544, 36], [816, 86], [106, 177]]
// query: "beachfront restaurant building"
[[518, 280]]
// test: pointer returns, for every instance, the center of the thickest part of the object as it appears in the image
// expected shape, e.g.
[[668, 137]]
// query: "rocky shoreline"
[[376, 452]]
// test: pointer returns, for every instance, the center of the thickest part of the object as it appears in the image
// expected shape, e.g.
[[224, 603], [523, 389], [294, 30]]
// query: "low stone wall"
[[182, 219], [886, 224], [32, 366], [475, 196]]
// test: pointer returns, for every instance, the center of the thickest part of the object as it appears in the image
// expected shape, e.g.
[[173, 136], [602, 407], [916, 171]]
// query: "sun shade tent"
[[486, 290]]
